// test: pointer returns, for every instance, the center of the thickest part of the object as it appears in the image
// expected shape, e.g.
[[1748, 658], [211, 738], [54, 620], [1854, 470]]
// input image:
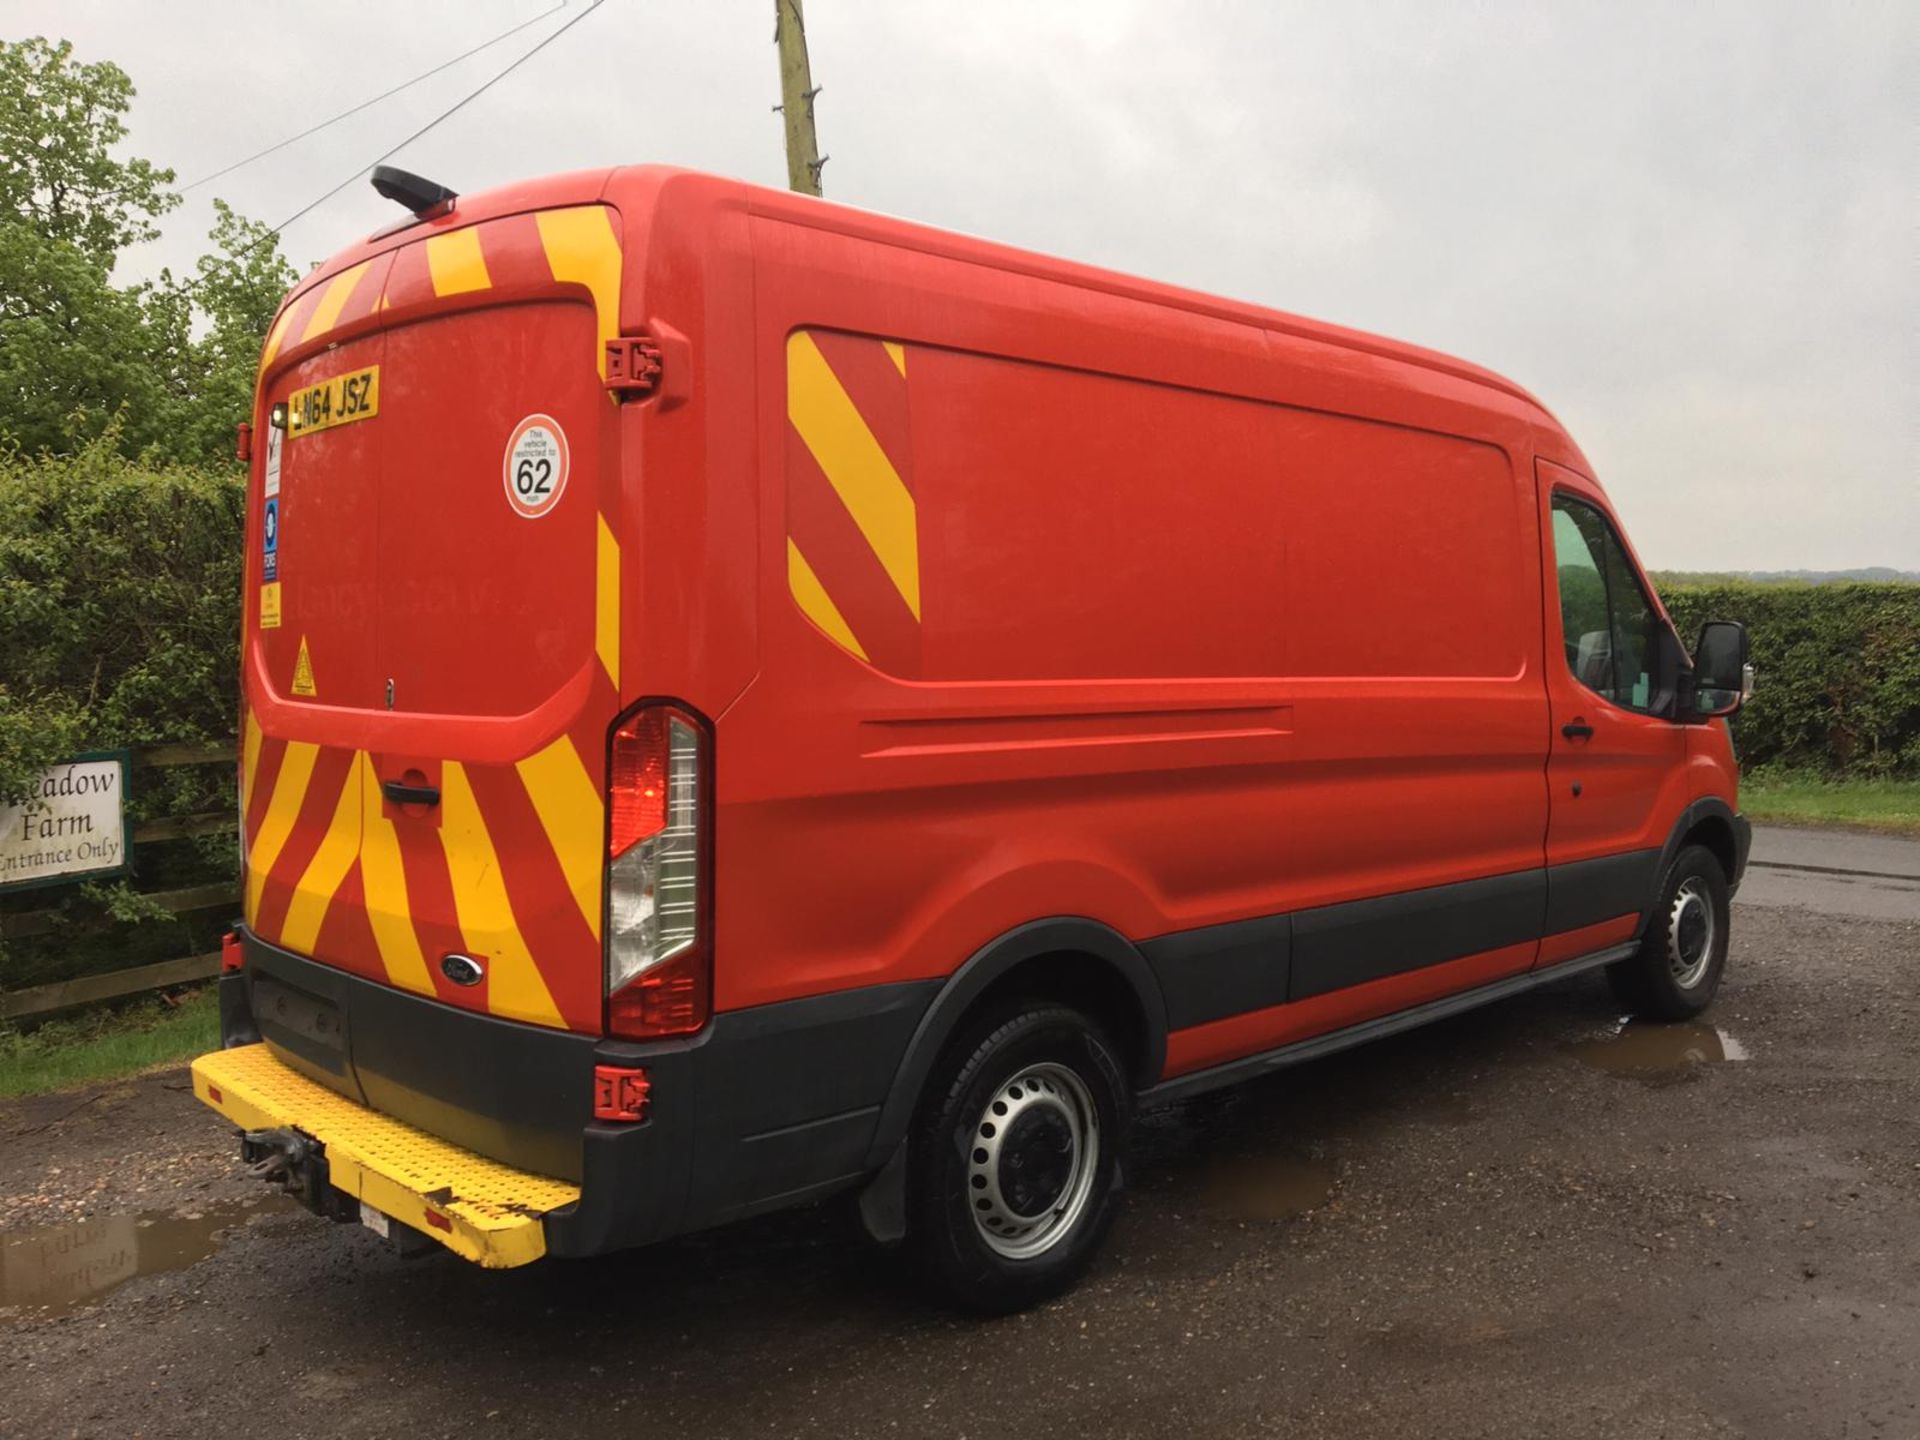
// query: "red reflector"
[[638, 785], [620, 1093], [213, 1094], [670, 999], [439, 1221], [232, 957], [243, 441]]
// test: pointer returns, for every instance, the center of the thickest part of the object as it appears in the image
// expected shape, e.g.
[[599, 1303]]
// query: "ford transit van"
[[747, 700]]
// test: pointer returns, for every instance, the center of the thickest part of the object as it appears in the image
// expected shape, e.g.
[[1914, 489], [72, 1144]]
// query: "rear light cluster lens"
[[659, 979]]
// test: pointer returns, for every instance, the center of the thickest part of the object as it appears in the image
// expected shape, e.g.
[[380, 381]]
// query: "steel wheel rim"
[[1032, 1156], [1691, 931]]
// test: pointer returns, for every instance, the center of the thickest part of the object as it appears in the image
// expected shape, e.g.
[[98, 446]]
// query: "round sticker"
[[535, 470]]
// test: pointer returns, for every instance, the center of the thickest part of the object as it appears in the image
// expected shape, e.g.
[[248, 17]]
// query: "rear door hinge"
[[633, 366]]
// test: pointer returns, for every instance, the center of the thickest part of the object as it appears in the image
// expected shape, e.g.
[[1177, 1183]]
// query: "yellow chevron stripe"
[[455, 262], [855, 464], [332, 301], [515, 988], [275, 336], [385, 880], [249, 759], [897, 353], [581, 247], [313, 892], [814, 602], [570, 812], [606, 600], [289, 793]]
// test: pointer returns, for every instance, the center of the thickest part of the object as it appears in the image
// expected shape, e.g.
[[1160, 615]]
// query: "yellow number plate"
[[339, 401]]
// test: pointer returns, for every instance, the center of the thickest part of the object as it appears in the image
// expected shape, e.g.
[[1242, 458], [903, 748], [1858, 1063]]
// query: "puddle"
[[1264, 1187], [55, 1269], [1648, 1051]]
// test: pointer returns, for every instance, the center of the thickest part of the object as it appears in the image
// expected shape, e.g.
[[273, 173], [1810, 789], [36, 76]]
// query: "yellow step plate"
[[479, 1208]]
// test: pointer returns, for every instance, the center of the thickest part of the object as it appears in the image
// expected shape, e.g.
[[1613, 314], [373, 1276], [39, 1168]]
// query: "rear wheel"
[[1677, 969], [1015, 1158]]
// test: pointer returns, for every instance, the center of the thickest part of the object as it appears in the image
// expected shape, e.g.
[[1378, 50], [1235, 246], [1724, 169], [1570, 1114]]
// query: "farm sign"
[[68, 824]]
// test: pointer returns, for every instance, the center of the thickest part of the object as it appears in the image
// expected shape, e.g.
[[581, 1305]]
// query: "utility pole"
[[796, 98]]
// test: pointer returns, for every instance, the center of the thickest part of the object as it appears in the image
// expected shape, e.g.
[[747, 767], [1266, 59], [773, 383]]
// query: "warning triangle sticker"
[[303, 672]]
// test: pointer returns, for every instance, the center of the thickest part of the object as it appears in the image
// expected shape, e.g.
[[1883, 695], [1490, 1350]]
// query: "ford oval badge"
[[462, 969]]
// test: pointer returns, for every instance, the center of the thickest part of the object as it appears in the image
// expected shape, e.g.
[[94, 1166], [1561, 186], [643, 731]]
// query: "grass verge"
[[107, 1044], [1890, 806]]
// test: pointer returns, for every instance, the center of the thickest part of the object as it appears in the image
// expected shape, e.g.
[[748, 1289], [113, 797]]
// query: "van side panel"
[[1122, 678]]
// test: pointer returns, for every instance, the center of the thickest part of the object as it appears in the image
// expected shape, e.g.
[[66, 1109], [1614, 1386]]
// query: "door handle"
[[401, 793], [1577, 730]]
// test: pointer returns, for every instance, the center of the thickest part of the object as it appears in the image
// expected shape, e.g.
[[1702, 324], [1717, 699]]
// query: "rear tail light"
[[659, 962]]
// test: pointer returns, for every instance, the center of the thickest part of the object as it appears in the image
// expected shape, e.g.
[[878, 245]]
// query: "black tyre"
[[1015, 1158], [1677, 969]]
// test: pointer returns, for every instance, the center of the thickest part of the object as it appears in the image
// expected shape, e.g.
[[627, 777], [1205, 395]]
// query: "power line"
[[364, 104], [451, 110]]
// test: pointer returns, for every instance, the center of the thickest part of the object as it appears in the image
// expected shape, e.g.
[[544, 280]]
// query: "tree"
[[236, 292], [59, 122], [74, 351], [167, 368]]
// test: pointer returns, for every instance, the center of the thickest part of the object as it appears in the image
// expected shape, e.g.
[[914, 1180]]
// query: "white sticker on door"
[[272, 482], [535, 470]]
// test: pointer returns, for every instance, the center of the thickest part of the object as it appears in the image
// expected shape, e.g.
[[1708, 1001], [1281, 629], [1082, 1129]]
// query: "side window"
[[1606, 620]]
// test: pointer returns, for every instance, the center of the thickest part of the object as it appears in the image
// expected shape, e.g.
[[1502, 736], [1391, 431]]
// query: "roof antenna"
[[425, 198]]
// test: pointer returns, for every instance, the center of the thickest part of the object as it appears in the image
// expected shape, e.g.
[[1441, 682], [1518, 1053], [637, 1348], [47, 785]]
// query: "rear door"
[[314, 596], [1616, 770], [448, 562]]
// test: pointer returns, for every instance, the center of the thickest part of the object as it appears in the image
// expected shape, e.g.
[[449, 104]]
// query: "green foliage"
[[121, 507], [1838, 668], [75, 352], [119, 604], [108, 1044], [167, 368], [59, 123], [236, 291], [1786, 797]]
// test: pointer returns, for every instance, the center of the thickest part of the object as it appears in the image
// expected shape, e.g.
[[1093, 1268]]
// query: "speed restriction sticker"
[[535, 470]]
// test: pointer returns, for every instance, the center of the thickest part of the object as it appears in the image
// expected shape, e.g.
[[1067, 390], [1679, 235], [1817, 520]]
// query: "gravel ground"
[[1509, 1224]]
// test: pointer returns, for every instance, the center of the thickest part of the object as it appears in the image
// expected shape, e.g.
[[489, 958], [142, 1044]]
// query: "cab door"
[[1616, 767]]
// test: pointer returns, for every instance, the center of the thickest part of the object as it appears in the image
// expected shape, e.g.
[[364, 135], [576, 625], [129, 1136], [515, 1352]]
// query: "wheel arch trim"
[[1035, 940], [1707, 808]]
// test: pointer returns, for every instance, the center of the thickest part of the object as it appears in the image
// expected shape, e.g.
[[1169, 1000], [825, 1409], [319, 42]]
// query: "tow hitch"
[[298, 1163]]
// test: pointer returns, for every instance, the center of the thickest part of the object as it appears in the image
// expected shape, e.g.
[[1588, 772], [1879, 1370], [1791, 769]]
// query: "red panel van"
[[747, 699]]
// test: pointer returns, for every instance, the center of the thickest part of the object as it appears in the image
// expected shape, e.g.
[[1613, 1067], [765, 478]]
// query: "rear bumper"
[[767, 1107], [490, 1213]]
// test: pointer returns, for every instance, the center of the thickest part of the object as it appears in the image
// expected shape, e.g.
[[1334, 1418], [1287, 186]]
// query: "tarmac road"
[[1521, 1222], [1838, 872]]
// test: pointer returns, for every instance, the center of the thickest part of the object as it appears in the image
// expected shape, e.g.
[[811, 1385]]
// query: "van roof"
[[633, 188]]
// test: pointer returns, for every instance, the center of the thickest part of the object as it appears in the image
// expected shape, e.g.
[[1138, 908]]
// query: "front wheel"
[[1677, 969], [1015, 1158]]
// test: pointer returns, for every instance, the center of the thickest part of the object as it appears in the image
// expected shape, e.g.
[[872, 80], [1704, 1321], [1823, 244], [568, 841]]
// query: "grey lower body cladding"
[[1224, 970], [780, 1103]]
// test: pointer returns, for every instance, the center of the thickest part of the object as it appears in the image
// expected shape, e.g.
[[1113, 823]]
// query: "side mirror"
[[1722, 678]]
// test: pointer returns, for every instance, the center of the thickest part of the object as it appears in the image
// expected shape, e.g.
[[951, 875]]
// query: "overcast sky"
[[1691, 230]]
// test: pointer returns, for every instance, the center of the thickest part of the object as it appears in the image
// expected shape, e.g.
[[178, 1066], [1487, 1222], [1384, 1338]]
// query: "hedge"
[[119, 604], [120, 626], [1838, 671]]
